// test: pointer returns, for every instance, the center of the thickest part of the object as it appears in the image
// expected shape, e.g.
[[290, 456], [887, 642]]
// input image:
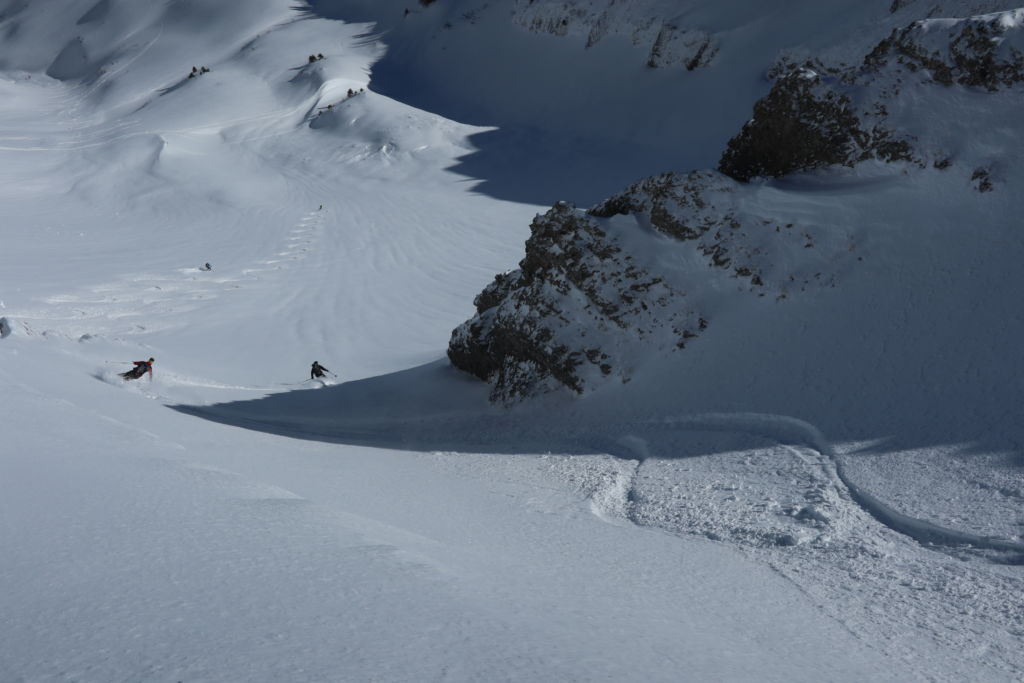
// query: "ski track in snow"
[[828, 504], [787, 430], [790, 504], [130, 304]]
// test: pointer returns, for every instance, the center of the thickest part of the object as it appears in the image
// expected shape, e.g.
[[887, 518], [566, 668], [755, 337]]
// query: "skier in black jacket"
[[140, 369], [317, 370]]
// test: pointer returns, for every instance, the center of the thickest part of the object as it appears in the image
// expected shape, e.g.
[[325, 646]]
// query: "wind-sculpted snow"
[[93, 42]]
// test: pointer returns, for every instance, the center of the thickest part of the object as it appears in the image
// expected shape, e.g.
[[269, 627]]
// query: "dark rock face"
[[669, 42], [548, 323], [703, 211], [677, 46], [798, 126], [602, 291], [971, 52], [803, 124], [809, 121], [647, 272]]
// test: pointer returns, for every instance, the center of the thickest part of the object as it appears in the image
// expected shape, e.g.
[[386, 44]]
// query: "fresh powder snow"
[[824, 487]]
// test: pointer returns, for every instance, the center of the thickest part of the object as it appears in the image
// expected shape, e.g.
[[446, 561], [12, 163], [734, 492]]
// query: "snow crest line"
[[784, 428]]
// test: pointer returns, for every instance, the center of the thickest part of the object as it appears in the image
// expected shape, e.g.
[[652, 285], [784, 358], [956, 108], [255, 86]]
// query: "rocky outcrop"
[[649, 271], [765, 254], [814, 117], [563, 318], [982, 52], [677, 46], [805, 123], [594, 298], [800, 125], [668, 44]]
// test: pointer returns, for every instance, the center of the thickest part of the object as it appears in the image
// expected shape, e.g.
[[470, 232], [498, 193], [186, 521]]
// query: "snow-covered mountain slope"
[[756, 506], [570, 84], [890, 265], [906, 105]]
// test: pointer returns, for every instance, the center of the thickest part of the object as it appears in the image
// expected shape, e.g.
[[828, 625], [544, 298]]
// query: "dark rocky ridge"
[[815, 117], [530, 333], [602, 291], [802, 124], [971, 53], [669, 42]]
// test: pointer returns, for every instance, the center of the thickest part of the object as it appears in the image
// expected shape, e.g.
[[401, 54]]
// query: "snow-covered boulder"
[[565, 317], [815, 117], [640, 275]]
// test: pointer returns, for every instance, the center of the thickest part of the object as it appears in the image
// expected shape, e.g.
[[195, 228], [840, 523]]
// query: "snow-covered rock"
[[602, 292], [639, 275], [566, 315], [805, 123], [983, 51], [821, 117], [656, 27]]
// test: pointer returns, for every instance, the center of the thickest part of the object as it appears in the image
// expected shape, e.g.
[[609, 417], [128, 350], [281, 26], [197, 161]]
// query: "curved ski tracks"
[[785, 429]]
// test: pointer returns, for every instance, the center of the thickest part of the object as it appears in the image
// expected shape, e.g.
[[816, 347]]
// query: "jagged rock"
[[561, 318], [808, 120], [587, 304], [706, 210], [647, 272], [804, 123], [983, 51], [674, 45], [801, 124], [668, 43]]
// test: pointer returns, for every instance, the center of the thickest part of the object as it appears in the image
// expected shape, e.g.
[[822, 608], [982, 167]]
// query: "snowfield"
[[825, 488]]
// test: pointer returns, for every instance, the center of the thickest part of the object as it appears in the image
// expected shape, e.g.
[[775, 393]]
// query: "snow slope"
[[412, 531]]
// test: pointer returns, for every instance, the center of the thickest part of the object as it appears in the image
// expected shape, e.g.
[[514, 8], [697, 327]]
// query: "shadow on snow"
[[435, 407]]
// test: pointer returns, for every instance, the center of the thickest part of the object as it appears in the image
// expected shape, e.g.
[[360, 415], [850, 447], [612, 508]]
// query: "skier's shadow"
[[433, 407]]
